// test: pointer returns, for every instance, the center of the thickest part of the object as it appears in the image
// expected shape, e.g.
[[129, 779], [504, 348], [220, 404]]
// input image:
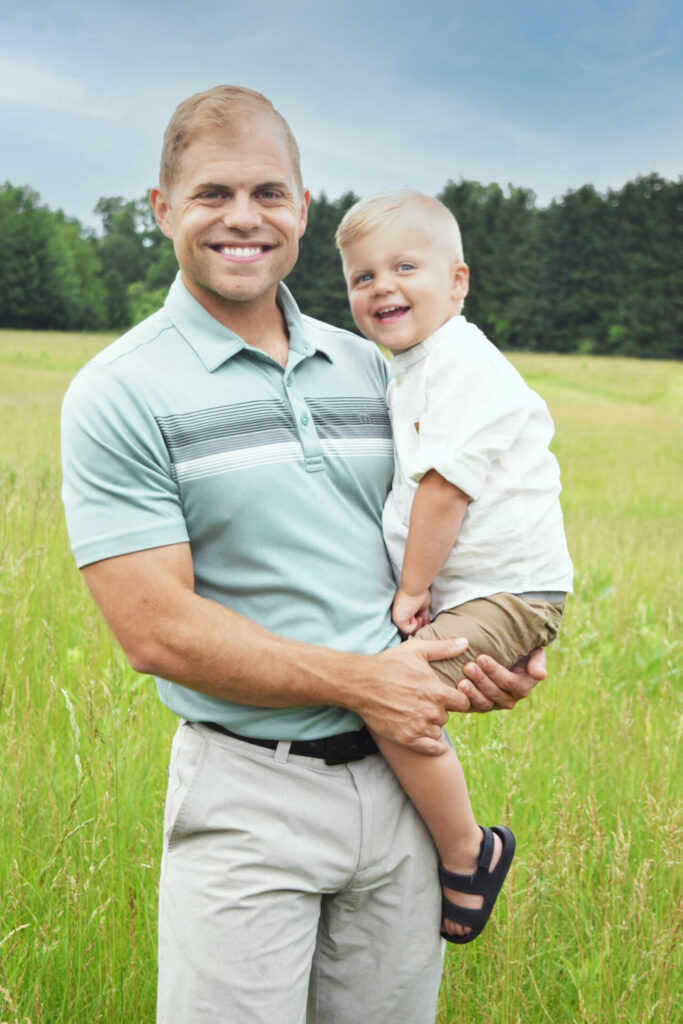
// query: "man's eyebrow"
[[205, 186], [282, 185]]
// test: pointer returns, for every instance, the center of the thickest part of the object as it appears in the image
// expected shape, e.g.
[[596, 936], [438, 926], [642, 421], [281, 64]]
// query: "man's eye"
[[269, 193], [211, 196]]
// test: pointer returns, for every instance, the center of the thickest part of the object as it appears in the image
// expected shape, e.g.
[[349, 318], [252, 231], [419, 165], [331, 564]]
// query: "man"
[[225, 466]]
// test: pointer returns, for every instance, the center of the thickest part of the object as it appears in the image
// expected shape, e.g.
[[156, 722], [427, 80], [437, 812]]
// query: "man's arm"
[[166, 629]]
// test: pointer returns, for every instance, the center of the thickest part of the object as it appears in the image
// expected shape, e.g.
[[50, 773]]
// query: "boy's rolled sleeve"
[[473, 414], [118, 487]]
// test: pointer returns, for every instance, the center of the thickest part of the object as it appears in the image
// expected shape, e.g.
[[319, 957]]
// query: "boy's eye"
[[406, 266], [363, 278]]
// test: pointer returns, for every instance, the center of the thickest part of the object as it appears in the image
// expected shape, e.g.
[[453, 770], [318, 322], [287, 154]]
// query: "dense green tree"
[[133, 252], [494, 228], [317, 280], [49, 272], [591, 272]]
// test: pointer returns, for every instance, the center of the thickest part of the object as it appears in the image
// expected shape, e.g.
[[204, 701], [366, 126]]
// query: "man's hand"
[[402, 699], [410, 612], [490, 687]]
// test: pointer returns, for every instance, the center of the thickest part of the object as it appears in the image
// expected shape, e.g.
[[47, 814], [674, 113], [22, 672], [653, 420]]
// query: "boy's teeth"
[[389, 311]]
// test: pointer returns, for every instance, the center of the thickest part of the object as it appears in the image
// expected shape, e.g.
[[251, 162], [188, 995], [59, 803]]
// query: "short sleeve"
[[118, 488], [476, 406]]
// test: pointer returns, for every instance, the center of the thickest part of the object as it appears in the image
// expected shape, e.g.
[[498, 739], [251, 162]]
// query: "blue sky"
[[379, 95]]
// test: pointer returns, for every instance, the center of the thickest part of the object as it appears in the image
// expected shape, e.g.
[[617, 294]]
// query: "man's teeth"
[[241, 250]]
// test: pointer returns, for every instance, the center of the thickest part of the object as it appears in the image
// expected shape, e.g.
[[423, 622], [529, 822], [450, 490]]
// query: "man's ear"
[[162, 211], [303, 218]]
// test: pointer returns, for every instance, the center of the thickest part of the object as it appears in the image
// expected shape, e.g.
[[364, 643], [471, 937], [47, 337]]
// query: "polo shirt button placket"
[[308, 435]]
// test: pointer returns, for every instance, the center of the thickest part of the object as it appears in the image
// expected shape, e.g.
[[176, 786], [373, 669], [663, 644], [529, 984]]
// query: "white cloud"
[[25, 82]]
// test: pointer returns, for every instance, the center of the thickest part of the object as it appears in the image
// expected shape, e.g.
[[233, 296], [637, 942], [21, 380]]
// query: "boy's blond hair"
[[223, 109], [369, 214]]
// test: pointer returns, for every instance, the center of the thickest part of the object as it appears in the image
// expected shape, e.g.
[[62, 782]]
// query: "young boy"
[[473, 522]]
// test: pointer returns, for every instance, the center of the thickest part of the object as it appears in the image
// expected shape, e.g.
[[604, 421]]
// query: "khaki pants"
[[503, 625], [293, 891]]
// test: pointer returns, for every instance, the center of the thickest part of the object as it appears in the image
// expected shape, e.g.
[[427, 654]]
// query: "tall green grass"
[[587, 771]]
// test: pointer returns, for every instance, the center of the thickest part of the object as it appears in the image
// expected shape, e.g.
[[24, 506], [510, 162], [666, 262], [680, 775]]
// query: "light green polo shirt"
[[180, 431]]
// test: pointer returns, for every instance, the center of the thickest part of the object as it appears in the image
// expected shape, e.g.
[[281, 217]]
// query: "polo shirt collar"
[[214, 343], [401, 362]]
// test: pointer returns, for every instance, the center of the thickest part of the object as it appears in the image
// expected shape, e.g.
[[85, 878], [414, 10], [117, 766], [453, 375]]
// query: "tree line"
[[592, 272]]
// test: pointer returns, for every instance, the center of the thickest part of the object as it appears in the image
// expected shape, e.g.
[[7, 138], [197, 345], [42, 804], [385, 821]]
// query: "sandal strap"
[[477, 883], [486, 848], [462, 883]]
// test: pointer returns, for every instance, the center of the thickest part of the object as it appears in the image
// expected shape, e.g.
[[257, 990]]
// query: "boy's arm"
[[436, 517]]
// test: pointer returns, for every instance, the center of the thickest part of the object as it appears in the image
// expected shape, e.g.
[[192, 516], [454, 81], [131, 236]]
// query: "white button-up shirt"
[[458, 406]]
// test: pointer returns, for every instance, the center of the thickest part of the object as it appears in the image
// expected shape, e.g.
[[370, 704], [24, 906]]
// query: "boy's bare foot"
[[467, 866]]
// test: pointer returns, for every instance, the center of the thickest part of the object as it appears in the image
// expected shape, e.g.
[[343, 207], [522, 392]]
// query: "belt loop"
[[282, 751]]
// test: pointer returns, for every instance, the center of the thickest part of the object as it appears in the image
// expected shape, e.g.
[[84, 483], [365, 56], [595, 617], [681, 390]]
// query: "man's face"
[[235, 214], [402, 282]]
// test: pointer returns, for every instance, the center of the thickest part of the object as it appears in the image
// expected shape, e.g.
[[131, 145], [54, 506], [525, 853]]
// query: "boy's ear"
[[461, 280]]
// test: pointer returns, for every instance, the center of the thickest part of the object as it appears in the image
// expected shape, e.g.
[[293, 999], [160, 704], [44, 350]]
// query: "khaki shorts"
[[505, 626]]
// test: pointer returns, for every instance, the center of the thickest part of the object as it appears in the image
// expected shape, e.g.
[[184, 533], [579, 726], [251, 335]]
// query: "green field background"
[[587, 771]]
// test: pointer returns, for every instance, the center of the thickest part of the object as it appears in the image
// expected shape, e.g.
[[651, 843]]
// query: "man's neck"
[[260, 323]]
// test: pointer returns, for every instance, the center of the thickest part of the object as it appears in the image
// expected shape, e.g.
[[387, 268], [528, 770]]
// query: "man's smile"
[[241, 253]]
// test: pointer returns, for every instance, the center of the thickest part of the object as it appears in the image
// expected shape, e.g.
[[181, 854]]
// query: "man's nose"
[[242, 214]]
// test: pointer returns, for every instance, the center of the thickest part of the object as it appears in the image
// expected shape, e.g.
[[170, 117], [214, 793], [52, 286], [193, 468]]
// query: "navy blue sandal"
[[482, 883]]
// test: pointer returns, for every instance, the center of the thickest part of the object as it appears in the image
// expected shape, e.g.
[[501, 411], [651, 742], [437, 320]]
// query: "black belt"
[[340, 749]]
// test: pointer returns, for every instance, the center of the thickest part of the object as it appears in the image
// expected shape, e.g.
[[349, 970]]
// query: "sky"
[[379, 94]]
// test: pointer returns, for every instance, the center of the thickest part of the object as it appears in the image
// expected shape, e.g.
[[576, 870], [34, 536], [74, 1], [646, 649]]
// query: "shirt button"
[[305, 418]]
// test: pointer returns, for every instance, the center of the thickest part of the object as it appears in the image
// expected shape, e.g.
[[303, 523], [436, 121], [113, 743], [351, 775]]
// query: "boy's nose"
[[383, 284]]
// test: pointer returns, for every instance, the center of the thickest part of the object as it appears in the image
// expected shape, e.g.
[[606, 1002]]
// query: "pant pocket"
[[187, 756]]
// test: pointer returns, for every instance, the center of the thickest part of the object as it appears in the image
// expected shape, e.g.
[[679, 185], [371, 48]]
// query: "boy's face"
[[403, 281]]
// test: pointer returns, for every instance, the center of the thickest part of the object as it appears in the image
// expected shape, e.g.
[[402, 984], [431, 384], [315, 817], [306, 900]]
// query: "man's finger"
[[439, 650], [459, 701], [429, 746], [536, 664], [478, 701], [485, 690]]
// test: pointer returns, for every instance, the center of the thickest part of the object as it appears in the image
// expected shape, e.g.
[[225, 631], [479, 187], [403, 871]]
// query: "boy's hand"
[[410, 612]]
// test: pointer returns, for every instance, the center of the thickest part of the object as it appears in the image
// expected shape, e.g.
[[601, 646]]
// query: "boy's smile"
[[402, 282]]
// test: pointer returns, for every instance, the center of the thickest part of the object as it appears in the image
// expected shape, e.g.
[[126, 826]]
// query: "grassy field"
[[587, 771]]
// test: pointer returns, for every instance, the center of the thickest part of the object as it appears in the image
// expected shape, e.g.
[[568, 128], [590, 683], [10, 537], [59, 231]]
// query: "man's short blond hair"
[[223, 109], [369, 214]]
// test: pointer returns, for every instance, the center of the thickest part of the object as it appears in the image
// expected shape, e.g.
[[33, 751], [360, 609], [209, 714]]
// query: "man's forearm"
[[210, 648]]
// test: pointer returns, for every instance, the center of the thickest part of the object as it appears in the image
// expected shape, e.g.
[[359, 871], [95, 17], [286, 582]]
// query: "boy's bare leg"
[[437, 788]]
